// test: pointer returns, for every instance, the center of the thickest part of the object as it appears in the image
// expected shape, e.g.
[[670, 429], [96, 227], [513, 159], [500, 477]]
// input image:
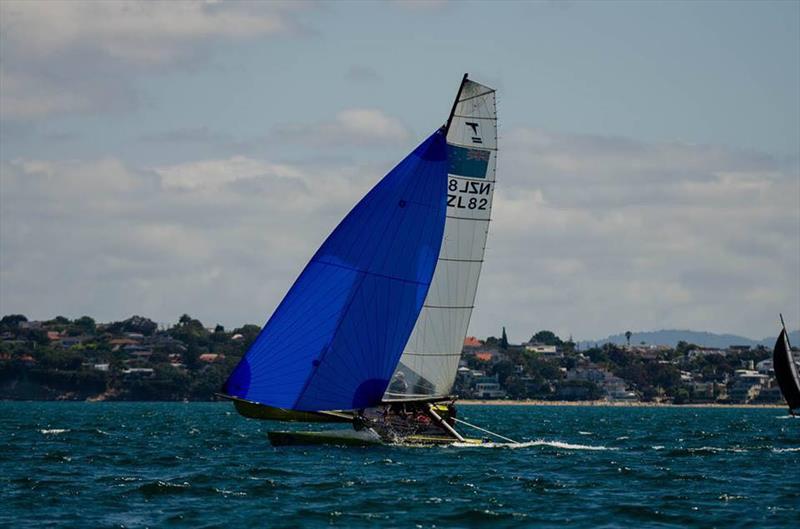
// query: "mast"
[[783, 324], [455, 103]]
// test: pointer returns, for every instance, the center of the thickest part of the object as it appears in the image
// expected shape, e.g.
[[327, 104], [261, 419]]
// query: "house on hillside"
[[71, 341], [490, 356], [488, 387], [746, 385], [117, 343], [470, 342], [612, 386], [705, 351], [544, 350]]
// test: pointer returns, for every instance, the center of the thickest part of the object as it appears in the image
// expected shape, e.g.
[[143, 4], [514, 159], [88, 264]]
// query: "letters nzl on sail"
[[461, 195]]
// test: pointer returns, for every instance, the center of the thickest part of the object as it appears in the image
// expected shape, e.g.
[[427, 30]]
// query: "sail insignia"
[[337, 336]]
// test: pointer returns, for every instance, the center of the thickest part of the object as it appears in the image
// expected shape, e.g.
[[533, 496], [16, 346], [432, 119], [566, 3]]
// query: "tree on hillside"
[[59, 323], [85, 325], [547, 338], [138, 324], [503, 369], [11, 322], [249, 333], [219, 336]]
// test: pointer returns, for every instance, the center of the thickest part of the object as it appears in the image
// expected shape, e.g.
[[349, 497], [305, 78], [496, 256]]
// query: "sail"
[[335, 339], [786, 371], [430, 359]]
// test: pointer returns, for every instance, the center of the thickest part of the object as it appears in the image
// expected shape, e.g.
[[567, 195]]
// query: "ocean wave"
[[54, 431], [538, 442], [706, 450], [781, 450], [719, 449], [163, 487]]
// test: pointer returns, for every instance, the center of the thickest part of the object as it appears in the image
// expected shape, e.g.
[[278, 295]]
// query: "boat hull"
[[354, 438]]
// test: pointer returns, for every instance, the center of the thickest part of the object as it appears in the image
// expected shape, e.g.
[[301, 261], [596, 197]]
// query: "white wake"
[[529, 444]]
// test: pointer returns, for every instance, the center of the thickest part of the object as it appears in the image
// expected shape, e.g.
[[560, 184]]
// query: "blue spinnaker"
[[335, 339]]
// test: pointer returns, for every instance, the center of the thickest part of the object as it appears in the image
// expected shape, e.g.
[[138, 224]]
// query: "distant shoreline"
[[609, 404]]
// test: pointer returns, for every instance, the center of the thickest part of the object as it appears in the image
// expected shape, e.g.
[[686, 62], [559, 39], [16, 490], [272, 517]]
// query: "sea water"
[[201, 465]]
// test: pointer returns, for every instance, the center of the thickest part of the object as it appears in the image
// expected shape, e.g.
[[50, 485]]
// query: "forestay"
[[335, 339], [430, 360]]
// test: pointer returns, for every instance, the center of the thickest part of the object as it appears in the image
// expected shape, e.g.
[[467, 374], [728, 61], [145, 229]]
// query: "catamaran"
[[786, 371], [371, 332]]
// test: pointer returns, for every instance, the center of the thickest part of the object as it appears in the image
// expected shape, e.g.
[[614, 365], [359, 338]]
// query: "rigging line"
[[473, 117], [484, 430], [785, 332], [467, 218], [455, 104], [477, 95], [472, 146], [367, 272], [432, 354], [470, 178]]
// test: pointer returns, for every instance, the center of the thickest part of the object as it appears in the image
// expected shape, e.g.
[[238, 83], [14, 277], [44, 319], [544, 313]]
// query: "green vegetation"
[[124, 360], [550, 368], [135, 360]]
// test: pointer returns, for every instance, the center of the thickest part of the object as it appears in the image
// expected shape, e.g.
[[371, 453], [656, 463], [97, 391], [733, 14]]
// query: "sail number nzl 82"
[[462, 195]]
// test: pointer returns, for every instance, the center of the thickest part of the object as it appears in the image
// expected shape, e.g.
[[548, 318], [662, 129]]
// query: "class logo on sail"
[[464, 161]]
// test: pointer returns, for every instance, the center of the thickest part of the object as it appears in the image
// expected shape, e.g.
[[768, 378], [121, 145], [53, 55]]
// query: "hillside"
[[671, 337]]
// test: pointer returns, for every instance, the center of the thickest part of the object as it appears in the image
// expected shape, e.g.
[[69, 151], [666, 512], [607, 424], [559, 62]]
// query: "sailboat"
[[786, 371], [371, 332]]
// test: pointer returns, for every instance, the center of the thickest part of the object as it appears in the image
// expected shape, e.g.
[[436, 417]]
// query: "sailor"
[[399, 384], [360, 421]]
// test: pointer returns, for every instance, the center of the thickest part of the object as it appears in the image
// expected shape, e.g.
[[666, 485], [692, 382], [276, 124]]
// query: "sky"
[[161, 158]]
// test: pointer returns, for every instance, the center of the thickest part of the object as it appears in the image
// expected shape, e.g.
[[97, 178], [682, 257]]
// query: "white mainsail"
[[430, 359]]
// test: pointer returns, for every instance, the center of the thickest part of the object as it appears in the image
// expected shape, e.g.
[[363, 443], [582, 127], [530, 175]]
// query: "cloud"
[[362, 74], [80, 56], [590, 235], [215, 174], [186, 135], [352, 126], [419, 5], [101, 237]]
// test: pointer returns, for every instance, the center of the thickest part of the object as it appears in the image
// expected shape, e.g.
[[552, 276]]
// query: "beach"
[[607, 403]]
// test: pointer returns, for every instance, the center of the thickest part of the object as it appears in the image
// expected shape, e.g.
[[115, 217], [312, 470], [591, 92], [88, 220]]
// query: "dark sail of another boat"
[[786, 371]]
